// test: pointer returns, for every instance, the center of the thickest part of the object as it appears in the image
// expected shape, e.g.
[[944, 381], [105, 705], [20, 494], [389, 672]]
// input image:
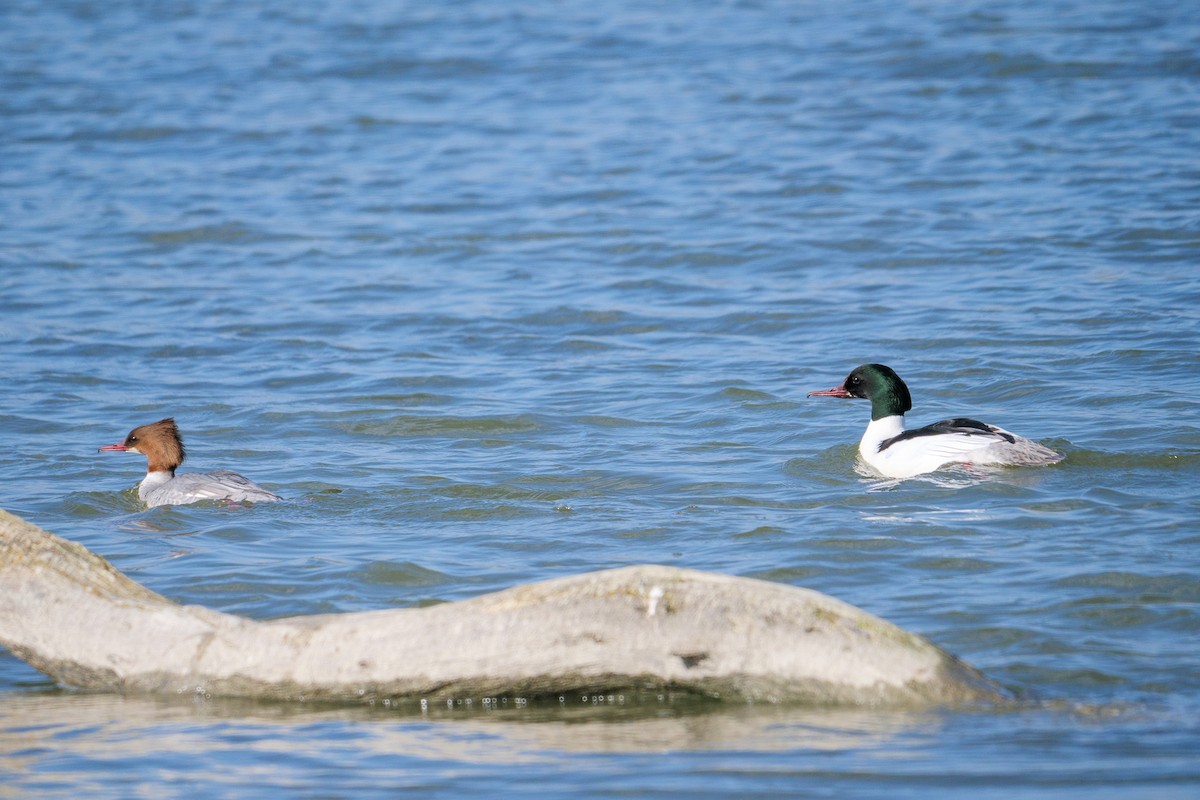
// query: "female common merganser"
[[898, 453], [160, 443]]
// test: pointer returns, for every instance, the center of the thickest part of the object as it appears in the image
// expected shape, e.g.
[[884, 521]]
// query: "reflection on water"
[[130, 745], [933, 516], [34, 725]]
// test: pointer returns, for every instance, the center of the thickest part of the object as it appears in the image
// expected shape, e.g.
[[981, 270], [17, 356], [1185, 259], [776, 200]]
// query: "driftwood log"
[[72, 615]]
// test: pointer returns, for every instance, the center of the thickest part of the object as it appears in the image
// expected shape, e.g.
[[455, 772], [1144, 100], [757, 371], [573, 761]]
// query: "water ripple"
[[494, 296]]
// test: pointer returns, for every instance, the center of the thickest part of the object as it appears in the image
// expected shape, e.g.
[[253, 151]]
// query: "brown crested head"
[[160, 443]]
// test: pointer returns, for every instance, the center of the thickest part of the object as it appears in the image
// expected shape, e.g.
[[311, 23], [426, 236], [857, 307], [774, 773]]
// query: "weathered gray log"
[[72, 615]]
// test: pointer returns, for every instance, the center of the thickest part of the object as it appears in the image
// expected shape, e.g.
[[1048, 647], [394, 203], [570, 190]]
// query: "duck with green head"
[[895, 452]]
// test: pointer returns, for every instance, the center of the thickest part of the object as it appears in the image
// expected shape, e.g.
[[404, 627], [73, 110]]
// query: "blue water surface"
[[495, 293]]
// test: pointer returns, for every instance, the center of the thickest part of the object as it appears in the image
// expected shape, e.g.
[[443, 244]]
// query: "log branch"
[[72, 615]]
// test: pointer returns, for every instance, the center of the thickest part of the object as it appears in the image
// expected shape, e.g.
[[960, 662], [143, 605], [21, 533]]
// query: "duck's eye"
[[856, 379], [132, 439]]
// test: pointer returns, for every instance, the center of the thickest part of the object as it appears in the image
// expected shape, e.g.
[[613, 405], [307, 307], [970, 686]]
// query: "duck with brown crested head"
[[162, 446]]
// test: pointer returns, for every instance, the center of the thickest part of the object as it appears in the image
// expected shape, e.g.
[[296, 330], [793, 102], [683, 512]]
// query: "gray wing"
[[222, 484]]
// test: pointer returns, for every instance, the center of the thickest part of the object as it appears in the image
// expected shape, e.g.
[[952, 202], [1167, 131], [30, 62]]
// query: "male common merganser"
[[162, 446], [898, 453]]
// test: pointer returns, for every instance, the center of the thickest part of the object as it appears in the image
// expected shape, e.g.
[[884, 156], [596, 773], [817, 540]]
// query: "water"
[[495, 294]]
